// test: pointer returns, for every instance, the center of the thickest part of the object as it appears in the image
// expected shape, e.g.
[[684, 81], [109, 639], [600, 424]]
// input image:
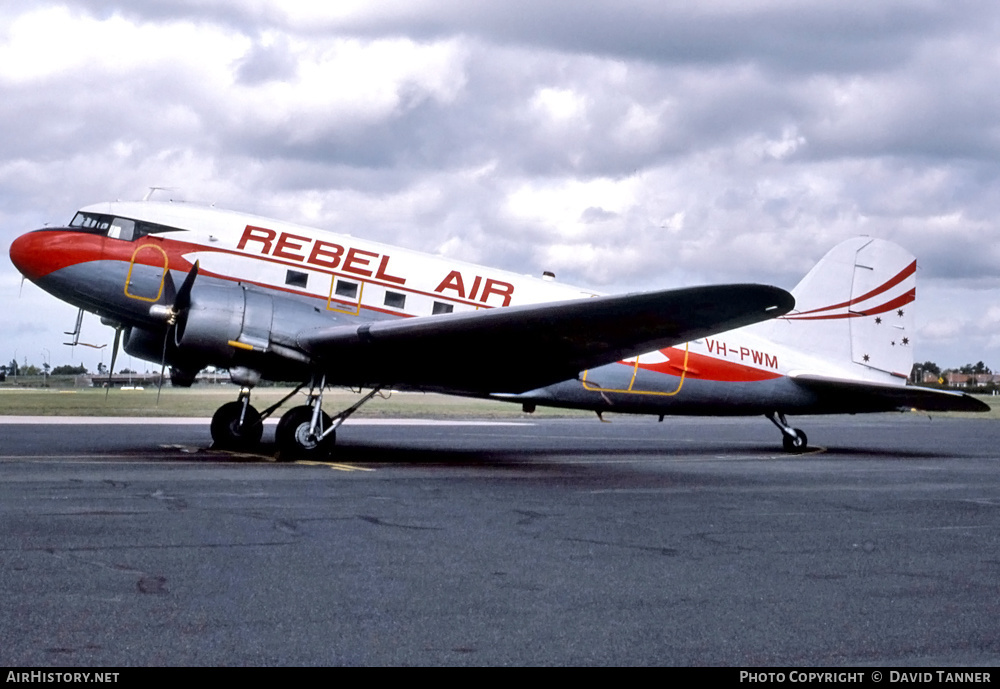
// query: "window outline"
[[400, 296], [296, 278]]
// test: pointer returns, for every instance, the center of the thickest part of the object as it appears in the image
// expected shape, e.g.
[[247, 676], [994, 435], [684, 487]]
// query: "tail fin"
[[854, 310]]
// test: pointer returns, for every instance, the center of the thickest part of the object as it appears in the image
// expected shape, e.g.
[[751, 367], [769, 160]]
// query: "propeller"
[[180, 298], [114, 355], [172, 313], [163, 368]]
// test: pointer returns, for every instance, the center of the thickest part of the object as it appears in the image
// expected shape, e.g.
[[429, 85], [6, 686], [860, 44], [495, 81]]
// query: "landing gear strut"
[[307, 432], [298, 438], [793, 440], [304, 432], [238, 425]]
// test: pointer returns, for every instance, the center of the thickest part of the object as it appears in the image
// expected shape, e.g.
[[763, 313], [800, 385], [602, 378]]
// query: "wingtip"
[[980, 406], [776, 302]]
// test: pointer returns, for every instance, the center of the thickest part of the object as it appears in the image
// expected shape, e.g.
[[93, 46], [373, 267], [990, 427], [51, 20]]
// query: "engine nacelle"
[[144, 344], [223, 319], [148, 345]]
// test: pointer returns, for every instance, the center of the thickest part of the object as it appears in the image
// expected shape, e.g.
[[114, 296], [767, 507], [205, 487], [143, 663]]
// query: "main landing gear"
[[237, 425], [304, 432], [307, 432], [793, 440]]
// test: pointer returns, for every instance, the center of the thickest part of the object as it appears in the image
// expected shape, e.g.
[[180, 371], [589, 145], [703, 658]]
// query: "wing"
[[862, 396], [520, 348]]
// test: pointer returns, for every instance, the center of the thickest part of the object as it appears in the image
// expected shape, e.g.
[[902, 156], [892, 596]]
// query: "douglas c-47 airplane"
[[190, 286]]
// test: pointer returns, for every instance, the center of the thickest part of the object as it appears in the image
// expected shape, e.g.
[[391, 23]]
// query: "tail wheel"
[[293, 437], [798, 443], [227, 431]]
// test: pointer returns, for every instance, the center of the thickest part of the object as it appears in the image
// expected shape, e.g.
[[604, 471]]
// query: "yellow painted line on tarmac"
[[332, 465]]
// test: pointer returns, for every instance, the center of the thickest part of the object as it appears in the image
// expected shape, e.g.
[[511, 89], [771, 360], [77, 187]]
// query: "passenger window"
[[296, 278], [348, 290], [441, 307], [395, 300]]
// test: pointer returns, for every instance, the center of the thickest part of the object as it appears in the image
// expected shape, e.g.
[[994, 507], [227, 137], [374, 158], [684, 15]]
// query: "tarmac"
[[541, 542]]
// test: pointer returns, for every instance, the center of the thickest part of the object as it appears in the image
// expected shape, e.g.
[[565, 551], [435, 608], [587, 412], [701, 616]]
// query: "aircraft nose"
[[20, 255], [29, 256]]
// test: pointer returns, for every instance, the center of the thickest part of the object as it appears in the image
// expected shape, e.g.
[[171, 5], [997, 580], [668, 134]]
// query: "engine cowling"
[[232, 325], [148, 345], [144, 344], [222, 319]]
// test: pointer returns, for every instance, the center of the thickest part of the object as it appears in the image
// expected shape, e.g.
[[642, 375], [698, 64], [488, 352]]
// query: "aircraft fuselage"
[[193, 286]]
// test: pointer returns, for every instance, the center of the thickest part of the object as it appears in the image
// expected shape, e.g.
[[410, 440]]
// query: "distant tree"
[[918, 371], [101, 368], [972, 369], [67, 370], [30, 370]]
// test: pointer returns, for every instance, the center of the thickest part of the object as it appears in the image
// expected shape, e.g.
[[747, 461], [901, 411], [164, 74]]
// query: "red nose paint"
[[36, 254]]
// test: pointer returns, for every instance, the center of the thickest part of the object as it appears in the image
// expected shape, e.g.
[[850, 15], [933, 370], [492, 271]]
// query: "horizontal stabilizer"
[[519, 348], [864, 396]]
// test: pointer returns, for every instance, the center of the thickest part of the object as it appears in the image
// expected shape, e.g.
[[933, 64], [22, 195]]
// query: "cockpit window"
[[115, 227], [122, 228], [94, 222]]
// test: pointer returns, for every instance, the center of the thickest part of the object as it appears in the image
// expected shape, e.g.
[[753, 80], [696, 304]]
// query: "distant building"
[[955, 379]]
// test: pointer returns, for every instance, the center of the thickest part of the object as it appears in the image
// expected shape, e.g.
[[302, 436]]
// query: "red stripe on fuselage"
[[704, 367], [42, 252]]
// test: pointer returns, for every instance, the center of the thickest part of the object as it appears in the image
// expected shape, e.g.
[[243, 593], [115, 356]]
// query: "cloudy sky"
[[627, 144]]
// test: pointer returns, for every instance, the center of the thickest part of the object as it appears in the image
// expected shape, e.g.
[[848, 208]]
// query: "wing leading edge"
[[520, 348]]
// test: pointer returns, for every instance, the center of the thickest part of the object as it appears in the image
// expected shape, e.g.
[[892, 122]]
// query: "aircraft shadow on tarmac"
[[520, 454], [865, 453]]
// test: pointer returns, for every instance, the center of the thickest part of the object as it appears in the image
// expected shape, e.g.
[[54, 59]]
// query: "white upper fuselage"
[[262, 251]]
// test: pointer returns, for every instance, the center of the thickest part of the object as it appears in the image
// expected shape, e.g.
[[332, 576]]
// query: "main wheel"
[[797, 444], [294, 440], [227, 431]]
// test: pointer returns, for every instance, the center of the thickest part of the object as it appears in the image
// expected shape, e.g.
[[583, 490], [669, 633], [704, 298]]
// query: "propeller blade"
[[169, 288], [163, 359], [114, 355], [183, 300]]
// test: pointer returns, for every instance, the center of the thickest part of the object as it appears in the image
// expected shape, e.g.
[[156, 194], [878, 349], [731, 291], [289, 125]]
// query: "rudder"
[[854, 309]]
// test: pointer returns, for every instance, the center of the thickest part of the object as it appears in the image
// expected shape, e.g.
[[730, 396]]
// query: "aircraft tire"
[[292, 436], [226, 430], [797, 444]]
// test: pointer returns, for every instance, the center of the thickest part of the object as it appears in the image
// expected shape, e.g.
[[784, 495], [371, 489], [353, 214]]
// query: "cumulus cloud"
[[625, 145]]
